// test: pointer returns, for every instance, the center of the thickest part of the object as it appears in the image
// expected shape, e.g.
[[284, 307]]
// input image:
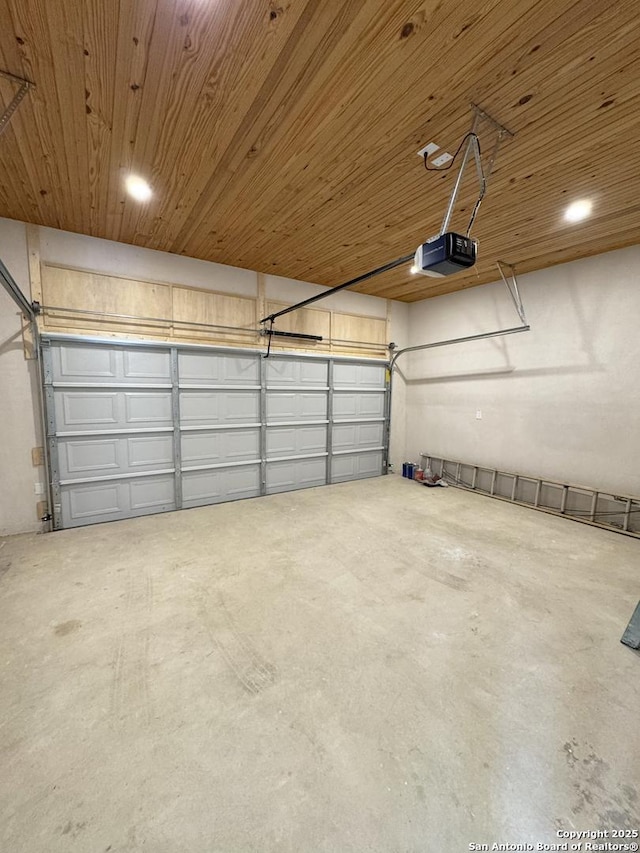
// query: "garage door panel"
[[355, 436], [300, 406], [97, 364], [301, 373], [218, 369], [91, 502], [223, 484], [201, 408], [151, 492], [210, 448], [86, 457], [146, 364], [354, 405], [146, 452], [96, 502], [147, 408], [356, 466], [81, 458], [78, 411], [296, 441], [81, 410], [74, 363], [292, 474], [359, 375]]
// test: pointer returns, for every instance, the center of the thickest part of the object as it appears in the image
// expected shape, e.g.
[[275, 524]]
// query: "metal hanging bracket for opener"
[[514, 293], [472, 147], [25, 85], [512, 287]]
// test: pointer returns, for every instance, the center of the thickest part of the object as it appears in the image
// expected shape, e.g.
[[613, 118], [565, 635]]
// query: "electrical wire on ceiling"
[[453, 159], [483, 179]]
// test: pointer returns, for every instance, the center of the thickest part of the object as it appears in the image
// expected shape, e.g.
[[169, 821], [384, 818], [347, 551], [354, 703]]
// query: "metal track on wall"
[[48, 313], [619, 513]]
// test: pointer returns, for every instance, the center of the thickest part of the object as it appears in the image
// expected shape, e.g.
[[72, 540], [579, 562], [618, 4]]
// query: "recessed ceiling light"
[[578, 210], [138, 188], [413, 270]]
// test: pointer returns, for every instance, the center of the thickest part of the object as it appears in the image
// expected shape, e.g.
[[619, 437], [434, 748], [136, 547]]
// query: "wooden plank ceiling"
[[281, 135]]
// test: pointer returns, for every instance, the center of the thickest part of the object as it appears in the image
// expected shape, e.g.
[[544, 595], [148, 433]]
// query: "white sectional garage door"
[[135, 429]]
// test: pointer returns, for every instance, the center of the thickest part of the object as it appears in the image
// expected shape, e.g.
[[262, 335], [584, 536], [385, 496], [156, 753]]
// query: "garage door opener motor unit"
[[445, 254]]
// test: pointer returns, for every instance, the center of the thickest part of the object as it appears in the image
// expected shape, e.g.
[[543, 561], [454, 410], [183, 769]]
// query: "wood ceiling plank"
[[495, 198], [537, 227], [64, 23], [548, 186], [236, 54], [137, 22], [555, 52], [16, 151], [340, 137], [546, 238], [15, 183], [176, 77], [341, 155], [168, 60], [100, 44], [341, 224], [373, 192], [50, 177], [592, 239], [45, 163], [157, 75], [315, 35], [284, 153], [595, 247]]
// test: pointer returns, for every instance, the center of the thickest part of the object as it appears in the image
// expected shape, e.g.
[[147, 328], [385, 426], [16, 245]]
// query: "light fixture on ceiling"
[[578, 210], [413, 270], [138, 188]]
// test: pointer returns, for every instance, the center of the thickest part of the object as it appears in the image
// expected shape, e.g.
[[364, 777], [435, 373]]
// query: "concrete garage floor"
[[373, 666]]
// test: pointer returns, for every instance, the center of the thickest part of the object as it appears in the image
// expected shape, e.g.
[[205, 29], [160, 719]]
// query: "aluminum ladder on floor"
[[620, 513]]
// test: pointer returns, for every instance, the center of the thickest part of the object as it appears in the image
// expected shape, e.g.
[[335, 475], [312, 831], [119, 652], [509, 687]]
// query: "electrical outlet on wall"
[[478, 415], [38, 488]]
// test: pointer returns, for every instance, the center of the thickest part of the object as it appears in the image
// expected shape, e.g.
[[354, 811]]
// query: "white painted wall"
[[19, 429], [561, 401], [17, 378]]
